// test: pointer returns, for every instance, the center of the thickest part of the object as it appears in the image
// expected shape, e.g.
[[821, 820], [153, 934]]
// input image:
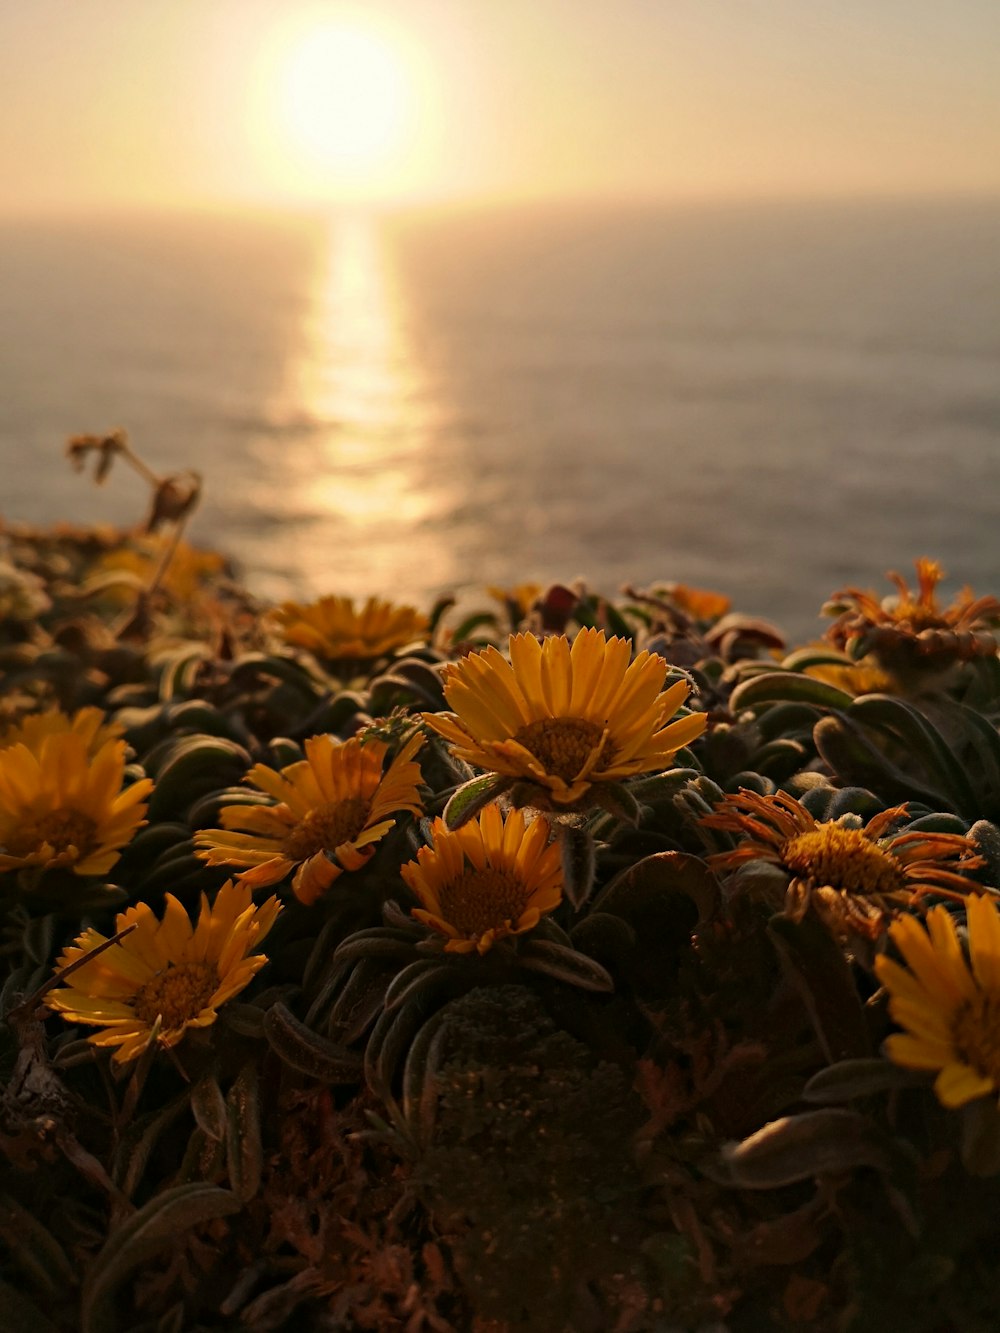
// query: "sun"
[[343, 108]]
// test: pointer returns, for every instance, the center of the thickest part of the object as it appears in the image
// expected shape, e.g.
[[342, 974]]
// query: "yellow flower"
[[854, 677], [62, 806], [164, 970], [699, 603], [333, 806], [564, 718], [951, 1014], [521, 596], [332, 628], [187, 574], [487, 880], [853, 877], [90, 723], [911, 628]]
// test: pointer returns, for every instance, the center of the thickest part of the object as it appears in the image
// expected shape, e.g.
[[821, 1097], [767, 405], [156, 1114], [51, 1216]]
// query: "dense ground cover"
[[581, 963]]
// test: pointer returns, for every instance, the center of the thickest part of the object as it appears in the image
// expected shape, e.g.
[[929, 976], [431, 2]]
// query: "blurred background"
[[439, 294]]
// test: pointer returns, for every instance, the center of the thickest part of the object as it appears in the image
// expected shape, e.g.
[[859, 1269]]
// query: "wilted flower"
[[853, 877], [164, 972], [89, 723], [332, 628], [564, 718], [951, 1014], [911, 628], [333, 807], [63, 806], [486, 880]]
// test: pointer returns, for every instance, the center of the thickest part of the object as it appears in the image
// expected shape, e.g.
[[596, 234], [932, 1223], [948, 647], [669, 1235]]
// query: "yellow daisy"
[[521, 597], [332, 628], [699, 603], [333, 807], [90, 723], [66, 807], [853, 877], [951, 1014], [487, 880], [164, 970], [188, 572], [564, 717]]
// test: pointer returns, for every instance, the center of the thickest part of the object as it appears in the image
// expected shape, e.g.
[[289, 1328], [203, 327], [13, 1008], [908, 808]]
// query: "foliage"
[[666, 1101]]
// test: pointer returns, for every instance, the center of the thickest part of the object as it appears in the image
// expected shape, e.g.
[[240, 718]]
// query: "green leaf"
[[787, 687], [579, 863], [799, 1147], [36, 1251], [656, 876], [20, 1315], [156, 1226], [856, 762], [244, 1152], [979, 1123], [816, 965], [302, 1049], [848, 1079], [568, 965], [617, 800], [472, 797], [208, 1106]]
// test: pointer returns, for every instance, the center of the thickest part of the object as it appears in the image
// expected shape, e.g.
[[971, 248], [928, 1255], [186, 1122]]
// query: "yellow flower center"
[[842, 858], [325, 828], [976, 1034], [482, 900], [177, 994], [61, 829], [562, 745]]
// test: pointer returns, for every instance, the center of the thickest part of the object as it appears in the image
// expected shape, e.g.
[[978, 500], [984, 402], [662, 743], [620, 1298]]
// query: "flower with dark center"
[[332, 628], [564, 718], [332, 808], [487, 880], [165, 976], [62, 803], [950, 1012]]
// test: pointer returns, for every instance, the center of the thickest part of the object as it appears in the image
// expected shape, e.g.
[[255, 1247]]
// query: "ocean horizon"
[[772, 400]]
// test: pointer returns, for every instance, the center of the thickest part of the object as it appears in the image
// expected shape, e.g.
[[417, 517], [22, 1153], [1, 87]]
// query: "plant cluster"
[[578, 964]]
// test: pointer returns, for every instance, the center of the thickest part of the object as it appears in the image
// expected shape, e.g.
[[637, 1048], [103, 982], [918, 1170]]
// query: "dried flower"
[[852, 876]]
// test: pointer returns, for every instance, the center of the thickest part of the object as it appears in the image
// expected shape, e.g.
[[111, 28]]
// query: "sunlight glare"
[[342, 108]]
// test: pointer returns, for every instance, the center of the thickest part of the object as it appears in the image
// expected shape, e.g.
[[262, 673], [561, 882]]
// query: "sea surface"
[[770, 400]]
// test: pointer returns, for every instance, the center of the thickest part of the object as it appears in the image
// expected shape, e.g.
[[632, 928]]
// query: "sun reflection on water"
[[361, 473]]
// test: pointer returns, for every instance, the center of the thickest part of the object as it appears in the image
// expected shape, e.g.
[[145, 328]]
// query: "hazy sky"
[[212, 102]]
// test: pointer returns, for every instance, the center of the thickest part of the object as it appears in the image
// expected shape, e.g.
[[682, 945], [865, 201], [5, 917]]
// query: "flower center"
[[562, 745], [976, 1034], [61, 829], [177, 994], [481, 900], [325, 828], [842, 858]]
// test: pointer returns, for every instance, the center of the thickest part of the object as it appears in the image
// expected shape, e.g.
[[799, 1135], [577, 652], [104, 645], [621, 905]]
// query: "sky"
[[220, 103]]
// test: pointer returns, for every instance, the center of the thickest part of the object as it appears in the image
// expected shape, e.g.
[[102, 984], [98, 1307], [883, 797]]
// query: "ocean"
[[771, 400]]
